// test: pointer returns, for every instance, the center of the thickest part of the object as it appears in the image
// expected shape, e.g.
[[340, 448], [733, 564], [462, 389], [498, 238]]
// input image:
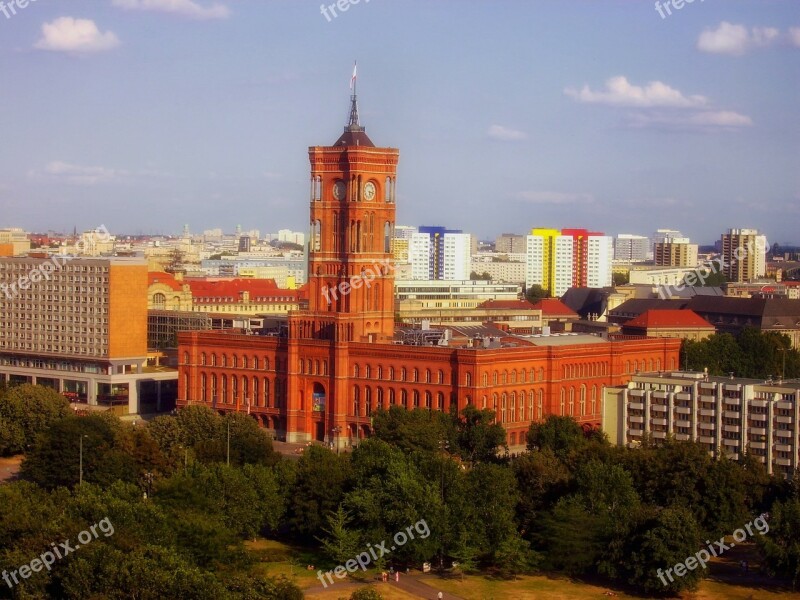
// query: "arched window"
[[485, 379], [563, 400], [379, 373], [203, 391], [367, 401], [224, 361], [213, 360], [224, 385], [255, 363], [234, 361], [494, 378], [513, 407], [583, 400], [367, 372], [391, 397], [391, 373], [530, 405], [427, 375], [186, 358], [256, 397], [416, 398], [380, 398], [571, 401], [415, 375], [540, 405], [513, 376], [356, 403], [541, 373], [213, 387], [593, 401], [244, 362], [503, 409], [203, 358], [440, 401], [505, 377], [355, 371], [234, 389], [467, 379], [403, 374], [428, 403], [404, 398]]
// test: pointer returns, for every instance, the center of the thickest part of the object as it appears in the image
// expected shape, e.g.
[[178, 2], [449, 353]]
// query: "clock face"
[[339, 190], [369, 190]]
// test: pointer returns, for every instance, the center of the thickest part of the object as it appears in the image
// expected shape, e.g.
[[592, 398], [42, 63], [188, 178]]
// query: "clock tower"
[[350, 262]]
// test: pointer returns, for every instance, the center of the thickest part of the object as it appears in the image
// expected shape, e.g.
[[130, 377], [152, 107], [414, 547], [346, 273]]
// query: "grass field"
[[275, 558]]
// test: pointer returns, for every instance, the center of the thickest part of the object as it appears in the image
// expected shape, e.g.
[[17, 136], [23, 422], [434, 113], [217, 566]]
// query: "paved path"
[[407, 583], [411, 585]]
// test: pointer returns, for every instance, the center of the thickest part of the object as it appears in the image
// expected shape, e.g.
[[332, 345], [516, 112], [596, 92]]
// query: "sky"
[[145, 115]]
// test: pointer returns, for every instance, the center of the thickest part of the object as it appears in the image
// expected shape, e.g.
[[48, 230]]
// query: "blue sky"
[[144, 115]]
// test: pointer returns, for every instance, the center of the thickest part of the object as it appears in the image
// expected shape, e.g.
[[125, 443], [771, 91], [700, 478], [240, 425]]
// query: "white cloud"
[[736, 40], [67, 34], [794, 36], [701, 121], [548, 197], [620, 92], [184, 8], [80, 175], [505, 134]]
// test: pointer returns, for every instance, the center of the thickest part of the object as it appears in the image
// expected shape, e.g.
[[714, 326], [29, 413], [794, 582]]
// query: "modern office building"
[[79, 325], [744, 255], [726, 415], [344, 357], [14, 242]]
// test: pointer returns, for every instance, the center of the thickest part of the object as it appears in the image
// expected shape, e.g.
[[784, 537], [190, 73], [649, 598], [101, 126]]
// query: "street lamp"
[[80, 476], [444, 446], [335, 431]]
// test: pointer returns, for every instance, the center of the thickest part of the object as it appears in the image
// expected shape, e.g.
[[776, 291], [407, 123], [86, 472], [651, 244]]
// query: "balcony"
[[758, 431], [783, 448], [636, 419], [636, 393], [659, 422], [731, 414], [661, 395], [732, 428], [683, 396], [757, 417], [708, 412], [635, 406], [729, 442], [658, 408], [706, 425], [758, 445], [683, 410], [783, 433], [758, 403], [732, 402], [783, 419], [682, 423], [784, 405], [635, 432], [706, 439], [682, 436], [659, 434], [784, 462]]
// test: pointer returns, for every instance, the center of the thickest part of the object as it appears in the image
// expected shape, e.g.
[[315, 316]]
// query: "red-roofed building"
[[684, 324], [224, 296]]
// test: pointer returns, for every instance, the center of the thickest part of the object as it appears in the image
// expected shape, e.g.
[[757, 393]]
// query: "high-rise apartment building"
[[675, 252], [439, 253], [631, 248], [79, 325], [510, 243], [558, 260], [663, 235], [744, 255]]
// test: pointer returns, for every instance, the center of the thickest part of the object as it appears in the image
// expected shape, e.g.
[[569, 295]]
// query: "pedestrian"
[[440, 595], [397, 576]]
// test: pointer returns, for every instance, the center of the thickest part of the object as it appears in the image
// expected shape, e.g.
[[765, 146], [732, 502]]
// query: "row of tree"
[[184, 492]]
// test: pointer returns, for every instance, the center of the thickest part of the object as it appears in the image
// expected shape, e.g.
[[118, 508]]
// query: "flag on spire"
[[353, 78]]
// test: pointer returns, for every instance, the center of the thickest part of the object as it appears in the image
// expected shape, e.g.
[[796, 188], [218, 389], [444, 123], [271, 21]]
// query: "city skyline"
[[700, 138]]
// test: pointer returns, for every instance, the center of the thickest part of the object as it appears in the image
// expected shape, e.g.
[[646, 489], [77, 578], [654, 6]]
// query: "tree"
[[543, 479], [606, 488], [322, 478], [411, 430], [25, 412], [620, 278], [366, 593], [340, 543], [478, 437], [562, 435], [782, 546], [535, 293], [465, 554], [474, 276]]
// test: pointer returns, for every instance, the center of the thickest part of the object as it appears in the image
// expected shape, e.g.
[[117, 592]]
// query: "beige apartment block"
[[726, 415]]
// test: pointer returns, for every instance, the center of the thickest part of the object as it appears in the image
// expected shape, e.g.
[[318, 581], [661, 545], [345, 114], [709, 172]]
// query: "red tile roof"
[[669, 319], [553, 307], [165, 279]]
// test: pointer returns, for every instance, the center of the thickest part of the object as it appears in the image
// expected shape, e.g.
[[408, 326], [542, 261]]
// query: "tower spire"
[[354, 124]]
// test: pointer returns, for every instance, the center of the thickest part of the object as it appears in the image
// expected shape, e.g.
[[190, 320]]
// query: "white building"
[[440, 255], [631, 248]]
